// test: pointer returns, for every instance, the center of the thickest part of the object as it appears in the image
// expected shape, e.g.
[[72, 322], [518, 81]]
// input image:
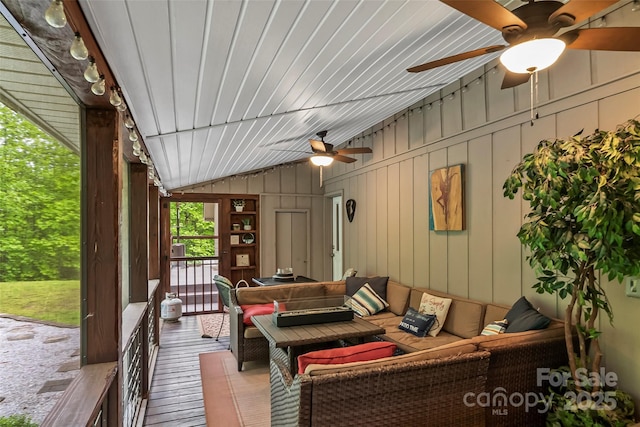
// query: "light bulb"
[[636, 6], [136, 152], [128, 122], [152, 175], [143, 157], [55, 14], [121, 107], [532, 55], [91, 73], [98, 88], [114, 98], [78, 49], [321, 160], [603, 22], [133, 137]]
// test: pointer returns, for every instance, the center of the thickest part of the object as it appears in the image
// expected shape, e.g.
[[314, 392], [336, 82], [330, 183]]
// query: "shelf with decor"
[[240, 234]]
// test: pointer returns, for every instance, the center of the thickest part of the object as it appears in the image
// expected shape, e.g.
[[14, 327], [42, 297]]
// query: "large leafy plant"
[[584, 222]]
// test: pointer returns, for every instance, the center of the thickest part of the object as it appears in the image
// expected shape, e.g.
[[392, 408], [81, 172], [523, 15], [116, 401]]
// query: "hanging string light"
[[78, 49], [91, 73], [55, 14], [98, 88], [128, 122], [114, 97]]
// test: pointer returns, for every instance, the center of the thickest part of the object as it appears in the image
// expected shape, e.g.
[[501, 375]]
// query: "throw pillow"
[[530, 320], [517, 309], [249, 310], [356, 353], [495, 328], [416, 323], [431, 304], [367, 302], [378, 284]]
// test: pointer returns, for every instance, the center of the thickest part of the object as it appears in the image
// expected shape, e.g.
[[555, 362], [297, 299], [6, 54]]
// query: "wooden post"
[[138, 234], [101, 274], [154, 232]]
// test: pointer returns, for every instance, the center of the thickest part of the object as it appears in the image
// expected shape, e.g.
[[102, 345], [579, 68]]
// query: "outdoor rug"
[[210, 325], [233, 398]]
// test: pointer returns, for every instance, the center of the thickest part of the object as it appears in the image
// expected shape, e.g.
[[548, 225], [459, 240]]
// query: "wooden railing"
[[192, 282], [91, 398]]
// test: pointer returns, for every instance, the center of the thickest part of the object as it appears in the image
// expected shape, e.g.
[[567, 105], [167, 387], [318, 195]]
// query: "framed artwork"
[[446, 199], [235, 239], [242, 260]]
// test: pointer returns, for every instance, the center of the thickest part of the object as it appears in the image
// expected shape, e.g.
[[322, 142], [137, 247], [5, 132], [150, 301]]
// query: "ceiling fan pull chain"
[[321, 176], [531, 84], [537, 95]]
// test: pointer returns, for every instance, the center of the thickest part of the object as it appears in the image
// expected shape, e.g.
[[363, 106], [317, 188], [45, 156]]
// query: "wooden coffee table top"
[[293, 336]]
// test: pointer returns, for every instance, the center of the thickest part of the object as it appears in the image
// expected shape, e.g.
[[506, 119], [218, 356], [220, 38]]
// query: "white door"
[[292, 233], [336, 237]]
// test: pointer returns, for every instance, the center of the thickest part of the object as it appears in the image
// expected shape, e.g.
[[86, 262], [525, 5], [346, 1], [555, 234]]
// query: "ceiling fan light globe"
[[533, 55], [321, 160]]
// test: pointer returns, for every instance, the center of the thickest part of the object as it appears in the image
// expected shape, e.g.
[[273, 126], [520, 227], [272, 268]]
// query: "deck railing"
[[192, 282]]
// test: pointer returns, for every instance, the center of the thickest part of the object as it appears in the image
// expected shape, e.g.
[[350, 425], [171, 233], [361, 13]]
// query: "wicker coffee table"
[[290, 341]]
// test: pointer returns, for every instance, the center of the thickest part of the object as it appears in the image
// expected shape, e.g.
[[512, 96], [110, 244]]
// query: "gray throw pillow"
[[378, 284], [528, 321], [518, 309]]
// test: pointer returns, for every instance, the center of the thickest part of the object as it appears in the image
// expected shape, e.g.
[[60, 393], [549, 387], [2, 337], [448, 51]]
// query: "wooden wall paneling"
[[138, 233], [351, 241], [380, 249], [284, 240], [473, 102], [271, 181], [406, 234], [544, 128], [393, 220], [617, 109], [432, 114], [500, 102], [222, 187], [389, 138], [458, 241], [437, 239], [377, 141], [421, 233], [506, 219], [415, 123], [320, 261], [303, 178], [626, 62], [572, 121], [237, 185], [102, 166], [523, 92], [402, 132], [288, 202], [451, 109], [268, 206], [571, 73], [154, 232], [255, 184], [479, 218], [362, 224]]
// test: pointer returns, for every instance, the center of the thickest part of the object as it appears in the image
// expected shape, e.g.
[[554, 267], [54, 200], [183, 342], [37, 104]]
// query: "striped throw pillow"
[[367, 302], [495, 328]]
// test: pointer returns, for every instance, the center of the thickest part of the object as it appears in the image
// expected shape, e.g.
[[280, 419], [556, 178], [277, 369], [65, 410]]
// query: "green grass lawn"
[[52, 300]]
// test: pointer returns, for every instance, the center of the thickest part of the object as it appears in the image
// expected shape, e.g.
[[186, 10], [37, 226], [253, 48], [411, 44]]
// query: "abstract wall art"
[[446, 201]]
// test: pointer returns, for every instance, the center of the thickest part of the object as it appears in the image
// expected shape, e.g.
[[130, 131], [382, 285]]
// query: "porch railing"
[[192, 282]]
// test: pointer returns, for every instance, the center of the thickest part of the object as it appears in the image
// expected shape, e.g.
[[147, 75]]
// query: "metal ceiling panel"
[[219, 88]]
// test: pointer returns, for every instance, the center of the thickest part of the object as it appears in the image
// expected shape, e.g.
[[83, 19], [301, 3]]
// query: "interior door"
[[292, 244], [336, 237]]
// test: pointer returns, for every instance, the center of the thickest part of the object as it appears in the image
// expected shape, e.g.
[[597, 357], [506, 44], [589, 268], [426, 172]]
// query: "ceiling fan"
[[324, 154], [531, 33]]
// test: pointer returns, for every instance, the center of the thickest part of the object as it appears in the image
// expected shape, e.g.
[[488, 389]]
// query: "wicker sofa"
[[424, 386]]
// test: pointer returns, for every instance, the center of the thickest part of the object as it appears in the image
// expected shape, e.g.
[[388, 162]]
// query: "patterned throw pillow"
[[431, 304], [416, 323], [495, 328], [366, 302]]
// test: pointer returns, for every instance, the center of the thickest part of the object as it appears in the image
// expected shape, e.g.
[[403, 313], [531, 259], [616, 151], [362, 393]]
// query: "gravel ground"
[[34, 355]]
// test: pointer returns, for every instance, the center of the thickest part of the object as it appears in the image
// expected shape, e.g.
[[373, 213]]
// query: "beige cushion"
[[252, 332], [465, 316], [487, 342], [437, 353], [494, 312], [264, 294], [397, 297], [334, 288]]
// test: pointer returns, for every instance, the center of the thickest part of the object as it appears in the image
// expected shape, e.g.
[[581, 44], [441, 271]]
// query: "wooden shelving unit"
[[240, 246]]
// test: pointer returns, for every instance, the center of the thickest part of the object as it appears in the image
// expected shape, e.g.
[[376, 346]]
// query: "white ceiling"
[[218, 88]]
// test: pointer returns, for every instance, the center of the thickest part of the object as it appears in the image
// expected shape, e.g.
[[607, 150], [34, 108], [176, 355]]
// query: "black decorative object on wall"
[[351, 209]]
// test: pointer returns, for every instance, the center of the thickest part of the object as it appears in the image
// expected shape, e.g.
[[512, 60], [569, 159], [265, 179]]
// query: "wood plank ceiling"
[[218, 88]]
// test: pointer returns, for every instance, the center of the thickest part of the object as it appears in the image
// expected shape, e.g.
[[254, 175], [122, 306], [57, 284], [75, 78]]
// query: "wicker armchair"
[[424, 393], [245, 348]]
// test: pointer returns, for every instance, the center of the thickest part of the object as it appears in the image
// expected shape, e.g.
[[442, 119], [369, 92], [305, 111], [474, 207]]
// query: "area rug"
[[210, 325], [233, 398]]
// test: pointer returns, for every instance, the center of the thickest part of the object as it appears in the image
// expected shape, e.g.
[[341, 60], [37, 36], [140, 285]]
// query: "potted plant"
[[246, 223], [584, 194], [238, 204]]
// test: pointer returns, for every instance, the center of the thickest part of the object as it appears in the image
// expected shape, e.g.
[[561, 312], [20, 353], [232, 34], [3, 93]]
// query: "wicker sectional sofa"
[[438, 381]]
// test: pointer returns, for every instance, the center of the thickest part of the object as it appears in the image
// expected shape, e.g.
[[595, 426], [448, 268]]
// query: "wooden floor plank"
[[175, 396]]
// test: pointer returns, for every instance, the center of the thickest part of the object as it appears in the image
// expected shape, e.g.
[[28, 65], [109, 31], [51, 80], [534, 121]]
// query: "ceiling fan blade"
[[343, 159], [317, 146], [455, 58], [357, 150], [488, 12], [614, 38], [289, 151], [581, 9], [514, 79]]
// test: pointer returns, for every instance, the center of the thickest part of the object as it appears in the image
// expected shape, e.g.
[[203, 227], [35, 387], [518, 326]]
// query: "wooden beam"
[[138, 235], [154, 232]]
